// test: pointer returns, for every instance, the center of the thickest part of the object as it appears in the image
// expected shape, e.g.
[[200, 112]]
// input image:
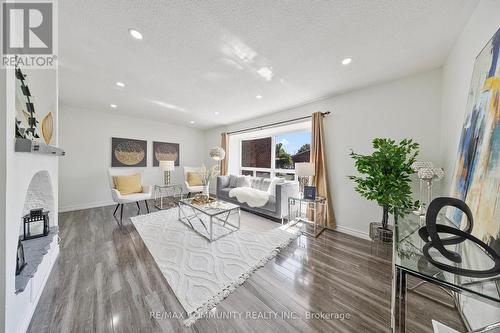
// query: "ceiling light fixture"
[[120, 84], [114, 106], [258, 96], [134, 33], [191, 122], [346, 61], [216, 113]]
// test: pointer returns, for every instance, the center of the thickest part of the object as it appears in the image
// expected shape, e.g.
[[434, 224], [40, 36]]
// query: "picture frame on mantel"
[[128, 153]]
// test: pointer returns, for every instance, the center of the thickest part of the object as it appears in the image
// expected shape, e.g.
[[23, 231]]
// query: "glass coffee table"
[[211, 220], [409, 260]]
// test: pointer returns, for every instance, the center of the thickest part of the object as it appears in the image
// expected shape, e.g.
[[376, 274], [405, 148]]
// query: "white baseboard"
[[71, 208], [342, 229], [353, 232]]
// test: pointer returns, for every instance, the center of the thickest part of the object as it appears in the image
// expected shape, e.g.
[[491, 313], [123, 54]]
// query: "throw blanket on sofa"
[[250, 196]]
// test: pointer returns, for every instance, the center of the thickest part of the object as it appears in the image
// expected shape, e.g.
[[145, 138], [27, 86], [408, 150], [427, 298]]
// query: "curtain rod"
[[324, 114]]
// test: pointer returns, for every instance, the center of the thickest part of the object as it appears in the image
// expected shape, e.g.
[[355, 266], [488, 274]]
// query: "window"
[[247, 172], [292, 148], [256, 153], [260, 159]]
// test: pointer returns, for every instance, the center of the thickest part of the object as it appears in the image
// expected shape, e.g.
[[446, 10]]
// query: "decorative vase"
[[206, 189], [416, 167], [428, 176]]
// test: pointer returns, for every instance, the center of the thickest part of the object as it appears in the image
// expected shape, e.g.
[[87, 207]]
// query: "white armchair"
[[192, 189], [128, 198]]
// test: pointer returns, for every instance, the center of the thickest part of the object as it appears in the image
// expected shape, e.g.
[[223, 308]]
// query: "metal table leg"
[[400, 301], [211, 236], [289, 214]]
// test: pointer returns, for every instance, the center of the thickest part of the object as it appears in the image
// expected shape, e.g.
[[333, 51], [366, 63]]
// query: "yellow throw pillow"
[[194, 179], [128, 184]]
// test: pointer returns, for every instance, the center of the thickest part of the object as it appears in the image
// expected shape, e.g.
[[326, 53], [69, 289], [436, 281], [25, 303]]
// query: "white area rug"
[[201, 273]]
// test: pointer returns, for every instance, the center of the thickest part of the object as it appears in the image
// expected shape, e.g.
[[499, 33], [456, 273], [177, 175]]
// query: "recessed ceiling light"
[[120, 84], [191, 122], [346, 61], [114, 106], [258, 96], [216, 113], [134, 33]]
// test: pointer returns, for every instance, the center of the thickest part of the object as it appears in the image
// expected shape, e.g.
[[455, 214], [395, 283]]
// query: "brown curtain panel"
[[224, 143], [318, 157]]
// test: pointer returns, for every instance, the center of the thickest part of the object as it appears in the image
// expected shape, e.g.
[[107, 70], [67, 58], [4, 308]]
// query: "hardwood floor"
[[105, 280]]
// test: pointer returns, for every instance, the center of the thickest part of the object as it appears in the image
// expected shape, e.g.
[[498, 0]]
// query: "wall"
[[86, 135], [457, 73], [409, 107]]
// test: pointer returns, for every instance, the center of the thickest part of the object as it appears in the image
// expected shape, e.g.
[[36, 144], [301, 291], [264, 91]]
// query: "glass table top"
[[408, 255], [213, 208]]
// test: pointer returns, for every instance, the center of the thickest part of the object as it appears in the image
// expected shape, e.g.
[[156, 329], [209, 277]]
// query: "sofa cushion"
[[274, 182], [233, 181], [243, 181], [194, 179], [260, 183]]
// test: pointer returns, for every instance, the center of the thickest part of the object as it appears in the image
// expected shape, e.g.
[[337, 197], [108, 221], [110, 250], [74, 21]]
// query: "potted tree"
[[385, 177]]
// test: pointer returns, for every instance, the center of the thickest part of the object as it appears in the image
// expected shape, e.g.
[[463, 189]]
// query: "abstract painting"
[[476, 178], [128, 152], [165, 151]]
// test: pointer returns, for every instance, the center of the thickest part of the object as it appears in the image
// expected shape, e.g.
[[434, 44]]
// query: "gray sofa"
[[276, 207]]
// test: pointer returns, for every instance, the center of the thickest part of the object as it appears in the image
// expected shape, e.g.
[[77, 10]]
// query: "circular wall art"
[[128, 152]]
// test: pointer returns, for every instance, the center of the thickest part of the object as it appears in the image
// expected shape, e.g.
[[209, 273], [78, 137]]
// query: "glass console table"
[[409, 260], [310, 212], [171, 193]]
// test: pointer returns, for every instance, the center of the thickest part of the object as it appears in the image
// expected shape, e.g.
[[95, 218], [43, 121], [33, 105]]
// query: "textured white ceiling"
[[202, 57]]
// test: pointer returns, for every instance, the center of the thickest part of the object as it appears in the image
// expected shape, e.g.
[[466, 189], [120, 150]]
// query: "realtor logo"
[[27, 28], [29, 34]]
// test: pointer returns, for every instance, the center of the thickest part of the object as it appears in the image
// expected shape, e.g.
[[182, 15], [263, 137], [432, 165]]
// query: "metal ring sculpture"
[[430, 234]]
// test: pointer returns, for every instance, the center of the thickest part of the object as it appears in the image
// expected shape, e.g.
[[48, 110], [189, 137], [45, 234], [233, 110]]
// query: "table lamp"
[[167, 167], [304, 171]]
